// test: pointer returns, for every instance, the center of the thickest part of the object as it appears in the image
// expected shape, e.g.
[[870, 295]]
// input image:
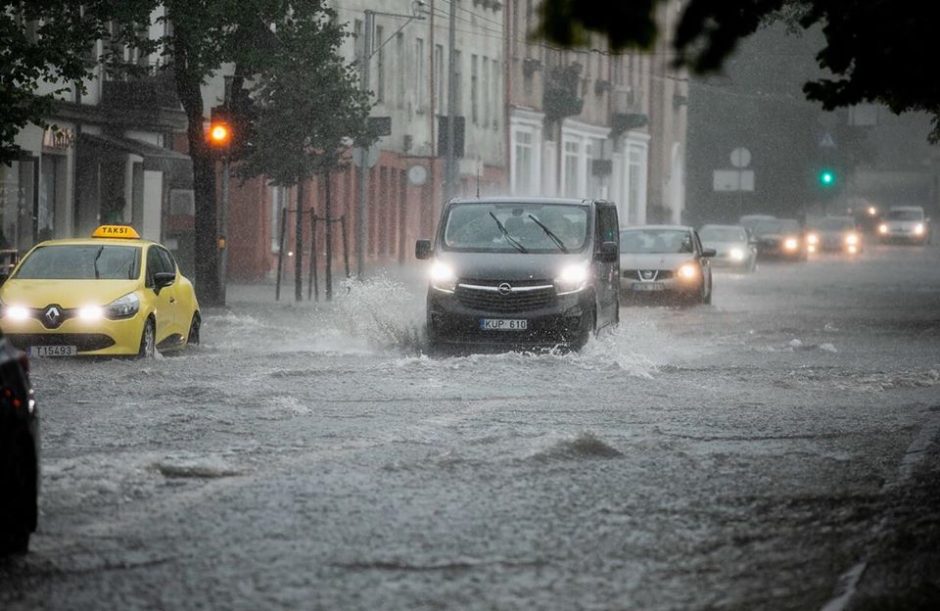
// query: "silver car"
[[733, 246], [665, 260], [905, 223]]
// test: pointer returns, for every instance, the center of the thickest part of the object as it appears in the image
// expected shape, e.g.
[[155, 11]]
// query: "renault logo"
[[52, 316], [504, 289]]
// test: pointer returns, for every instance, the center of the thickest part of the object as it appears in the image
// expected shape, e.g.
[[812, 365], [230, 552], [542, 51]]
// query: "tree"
[[309, 109], [876, 51], [46, 47]]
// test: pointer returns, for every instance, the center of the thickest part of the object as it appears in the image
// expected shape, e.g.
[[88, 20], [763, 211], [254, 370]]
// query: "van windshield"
[[516, 227]]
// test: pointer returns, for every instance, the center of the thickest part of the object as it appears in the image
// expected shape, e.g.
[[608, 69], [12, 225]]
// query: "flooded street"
[[738, 455]]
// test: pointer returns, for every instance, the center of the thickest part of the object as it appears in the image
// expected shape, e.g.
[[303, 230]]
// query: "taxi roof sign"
[[116, 231]]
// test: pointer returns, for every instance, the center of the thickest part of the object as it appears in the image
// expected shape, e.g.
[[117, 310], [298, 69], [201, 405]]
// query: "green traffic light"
[[827, 178]]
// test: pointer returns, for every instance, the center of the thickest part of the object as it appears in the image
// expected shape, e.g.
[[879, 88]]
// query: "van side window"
[[608, 231]]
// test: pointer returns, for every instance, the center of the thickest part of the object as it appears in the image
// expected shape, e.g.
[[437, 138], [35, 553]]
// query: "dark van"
[[522, 271]]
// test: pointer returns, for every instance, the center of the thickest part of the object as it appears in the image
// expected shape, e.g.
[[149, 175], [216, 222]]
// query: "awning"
[[155, 157]]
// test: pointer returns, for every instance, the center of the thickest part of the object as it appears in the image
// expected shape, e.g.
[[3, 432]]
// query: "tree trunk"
[[208, 287], [299, 245], [329, 236]]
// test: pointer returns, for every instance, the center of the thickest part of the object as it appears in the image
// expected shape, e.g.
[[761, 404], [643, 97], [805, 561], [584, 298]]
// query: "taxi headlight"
[[851, 239], [736, 254], [443, 277], [123, 307], [812, 239], [791, 244], [883, 228], [16, 313], [919, 229], [688, 271], [90, 313], [572, 278]]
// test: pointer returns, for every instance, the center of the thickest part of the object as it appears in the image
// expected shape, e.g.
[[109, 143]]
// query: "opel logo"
[[504, 289], [52, 316]]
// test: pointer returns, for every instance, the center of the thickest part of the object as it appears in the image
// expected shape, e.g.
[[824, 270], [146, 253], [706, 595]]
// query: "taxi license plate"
[[42, 351], [503, 324], [649, 286]]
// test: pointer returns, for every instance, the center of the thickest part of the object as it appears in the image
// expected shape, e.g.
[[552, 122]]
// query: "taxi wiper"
[[98, 256], [509, 238], [551, 234]]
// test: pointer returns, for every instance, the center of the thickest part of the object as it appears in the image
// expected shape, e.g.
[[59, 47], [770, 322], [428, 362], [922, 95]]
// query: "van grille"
[[490, 300]]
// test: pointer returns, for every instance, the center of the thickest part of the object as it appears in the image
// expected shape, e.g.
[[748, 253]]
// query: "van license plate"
[[40, 351], [503, 324], [649, 286]]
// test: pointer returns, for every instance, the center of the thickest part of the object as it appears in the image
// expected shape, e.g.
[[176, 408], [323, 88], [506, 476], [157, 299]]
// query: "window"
[[439, 82], [485, 64], [419, 74], [358, 41], [522, 174], [380, 71], [494, 84], [169, 265], [458, 78], [402, 75], [474, 91], [572, 166], [278, 203]]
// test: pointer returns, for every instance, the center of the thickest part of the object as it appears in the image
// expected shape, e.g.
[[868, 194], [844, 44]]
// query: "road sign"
[[733, 180], [371, 156], [827, 141], [740, 157], [380, 126]]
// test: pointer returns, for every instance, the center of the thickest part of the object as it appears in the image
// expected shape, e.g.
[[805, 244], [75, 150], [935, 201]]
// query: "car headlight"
[[851, 239], [872, 211], [883, 228], [812, 239], [123, 307], [572, 278], [919, 229], [91, 313], [16, 313], [443, 277], [688, 271], [736, 254], [791, 244]]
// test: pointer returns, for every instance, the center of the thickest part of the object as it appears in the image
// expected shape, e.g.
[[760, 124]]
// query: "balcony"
[[147, 101]]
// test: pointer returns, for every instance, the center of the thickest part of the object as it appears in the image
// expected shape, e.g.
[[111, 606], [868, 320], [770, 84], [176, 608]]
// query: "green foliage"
[[875, 50], [308, 105], [46, 43]]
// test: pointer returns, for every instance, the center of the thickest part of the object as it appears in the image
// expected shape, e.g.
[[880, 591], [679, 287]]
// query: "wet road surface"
[[741, 455]]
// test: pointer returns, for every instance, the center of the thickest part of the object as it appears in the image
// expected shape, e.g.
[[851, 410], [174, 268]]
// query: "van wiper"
[[551, 234], [509, 238]]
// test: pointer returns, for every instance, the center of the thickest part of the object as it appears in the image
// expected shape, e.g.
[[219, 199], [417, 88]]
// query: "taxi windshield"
[[511, 227], [81, 262]]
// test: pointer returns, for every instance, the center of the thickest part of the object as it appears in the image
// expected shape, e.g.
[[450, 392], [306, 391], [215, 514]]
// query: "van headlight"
[[123, 307], [443, 277], [791, 244], [919, 229], [737, 254], [572, 278], [851, 239]]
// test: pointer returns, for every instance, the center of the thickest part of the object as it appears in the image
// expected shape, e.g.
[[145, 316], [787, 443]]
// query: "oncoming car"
[[657, 260], [108, 295], [835, 234], [522, 271], [905, 224], [733, 246]]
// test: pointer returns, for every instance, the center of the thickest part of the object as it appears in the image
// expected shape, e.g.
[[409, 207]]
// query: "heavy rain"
[[438, 304]]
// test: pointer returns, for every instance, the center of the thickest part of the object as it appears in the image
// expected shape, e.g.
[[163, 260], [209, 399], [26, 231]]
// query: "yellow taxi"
[[111, 294]]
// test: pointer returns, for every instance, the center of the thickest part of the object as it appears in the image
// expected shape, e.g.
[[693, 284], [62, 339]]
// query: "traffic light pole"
[[223, 229]]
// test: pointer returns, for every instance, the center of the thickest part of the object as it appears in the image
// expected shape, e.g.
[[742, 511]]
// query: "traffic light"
[[220, 129], [827, 177]]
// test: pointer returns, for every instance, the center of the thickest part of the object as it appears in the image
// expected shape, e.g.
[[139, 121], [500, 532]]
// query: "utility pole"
[[450, 169], [365, 60]]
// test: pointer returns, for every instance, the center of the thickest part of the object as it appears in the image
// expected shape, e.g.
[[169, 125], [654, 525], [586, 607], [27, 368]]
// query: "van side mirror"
[[709, 253], [609, 252], [423, 249]]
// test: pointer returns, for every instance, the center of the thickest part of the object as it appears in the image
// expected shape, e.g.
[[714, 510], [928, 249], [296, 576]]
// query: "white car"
[[665, 260], [733, 246], [905, 223]]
